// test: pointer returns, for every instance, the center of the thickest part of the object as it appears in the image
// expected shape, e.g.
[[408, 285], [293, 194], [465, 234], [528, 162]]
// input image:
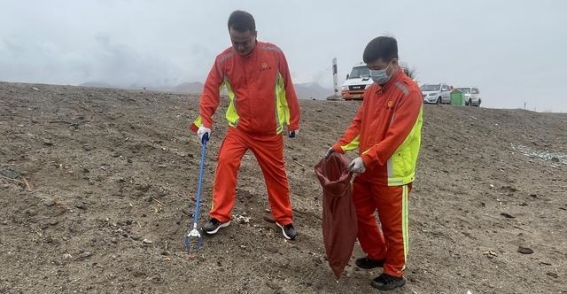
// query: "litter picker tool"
[[193, 239]]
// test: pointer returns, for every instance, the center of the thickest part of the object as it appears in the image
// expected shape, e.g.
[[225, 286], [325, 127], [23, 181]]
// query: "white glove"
[[292, 134], [202, 131], [357, 166]]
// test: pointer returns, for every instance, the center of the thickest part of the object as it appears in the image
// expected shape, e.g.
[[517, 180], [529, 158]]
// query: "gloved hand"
[[202, 131], [329, 152], [357, 166], [293, 134]]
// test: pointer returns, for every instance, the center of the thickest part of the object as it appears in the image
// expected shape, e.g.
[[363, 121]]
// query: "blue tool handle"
[[201, 168]]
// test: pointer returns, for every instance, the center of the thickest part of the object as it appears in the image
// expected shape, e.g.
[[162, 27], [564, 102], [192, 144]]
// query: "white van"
[[359, 80]]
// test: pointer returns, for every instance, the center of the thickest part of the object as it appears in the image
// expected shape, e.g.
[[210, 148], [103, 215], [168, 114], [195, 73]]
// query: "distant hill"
[[311, 91], [193, 87], [93, 84], [304, 91]]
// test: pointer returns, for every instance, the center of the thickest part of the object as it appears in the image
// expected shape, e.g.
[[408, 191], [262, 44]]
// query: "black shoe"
[[213, 226], [386, 282], [288, 231], [367, 263]]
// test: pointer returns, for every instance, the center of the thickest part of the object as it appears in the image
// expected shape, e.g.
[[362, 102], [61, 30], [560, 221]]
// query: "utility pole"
[[336, 95], [335, 77]]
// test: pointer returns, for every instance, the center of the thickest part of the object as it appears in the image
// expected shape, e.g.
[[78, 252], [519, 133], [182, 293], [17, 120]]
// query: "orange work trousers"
[[268, 150], [390, 240]]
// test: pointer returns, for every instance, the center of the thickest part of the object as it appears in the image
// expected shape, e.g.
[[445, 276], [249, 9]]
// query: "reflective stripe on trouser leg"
[[392, 204], [405, 222]]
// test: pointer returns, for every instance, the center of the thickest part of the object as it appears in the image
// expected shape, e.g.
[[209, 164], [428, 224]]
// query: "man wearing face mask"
[[386, 130], [262, 102]]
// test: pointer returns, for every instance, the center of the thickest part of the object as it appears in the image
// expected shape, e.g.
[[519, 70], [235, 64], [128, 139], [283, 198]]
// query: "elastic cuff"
[[338, 149], [367, 160], [393, 273], [222, 219]]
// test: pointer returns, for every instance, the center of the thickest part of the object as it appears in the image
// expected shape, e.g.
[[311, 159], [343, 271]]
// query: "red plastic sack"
[[340, 224]]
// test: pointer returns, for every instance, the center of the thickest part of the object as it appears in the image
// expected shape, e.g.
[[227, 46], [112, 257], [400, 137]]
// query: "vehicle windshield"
[[359, 71], [430, 87], [465, 90]]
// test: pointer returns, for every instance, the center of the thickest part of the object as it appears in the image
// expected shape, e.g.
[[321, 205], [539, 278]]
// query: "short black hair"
[[241, 21], [383, 47]]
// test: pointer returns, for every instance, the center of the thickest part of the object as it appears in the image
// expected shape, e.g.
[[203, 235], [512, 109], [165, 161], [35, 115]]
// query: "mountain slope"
[[98, 186]]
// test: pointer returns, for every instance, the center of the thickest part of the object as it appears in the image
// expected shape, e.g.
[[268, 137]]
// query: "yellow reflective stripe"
[[398, 181], [352, 145], [198, 122], [405, 223], [282, 109], [231, 112], [401, 169]]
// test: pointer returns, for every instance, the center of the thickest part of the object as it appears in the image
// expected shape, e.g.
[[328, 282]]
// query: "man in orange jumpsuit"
[[387, 132], [262, 100]]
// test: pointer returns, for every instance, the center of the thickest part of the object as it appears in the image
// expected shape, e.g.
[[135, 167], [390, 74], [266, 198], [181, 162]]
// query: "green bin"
[[457, 97]]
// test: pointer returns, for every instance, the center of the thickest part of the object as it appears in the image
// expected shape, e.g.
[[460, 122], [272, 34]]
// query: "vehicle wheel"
[[479, 101], [439, 102], [470, 102], [467, 103]]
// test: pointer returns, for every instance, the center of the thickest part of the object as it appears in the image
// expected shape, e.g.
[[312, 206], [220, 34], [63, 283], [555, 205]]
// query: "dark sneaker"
[[288, 231], [213, 226], [367, 263], [386, 282]]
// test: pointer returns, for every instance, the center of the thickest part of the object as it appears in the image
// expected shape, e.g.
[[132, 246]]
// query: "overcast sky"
[[514, 51]]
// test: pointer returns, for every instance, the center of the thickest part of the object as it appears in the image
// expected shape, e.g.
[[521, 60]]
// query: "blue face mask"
[[380, 76]]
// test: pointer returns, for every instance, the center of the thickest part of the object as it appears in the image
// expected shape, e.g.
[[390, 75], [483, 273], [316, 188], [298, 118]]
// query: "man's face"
[[379, 64], [242, 42]]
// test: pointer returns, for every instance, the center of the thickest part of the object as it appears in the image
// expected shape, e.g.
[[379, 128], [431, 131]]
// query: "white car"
[[436, 93], [472, 96]]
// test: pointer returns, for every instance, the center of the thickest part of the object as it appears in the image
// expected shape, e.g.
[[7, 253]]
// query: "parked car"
[[472, 96], [436, 93]]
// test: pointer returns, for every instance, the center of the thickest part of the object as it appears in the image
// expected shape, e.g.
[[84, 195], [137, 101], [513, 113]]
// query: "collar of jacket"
[[251, 52], [396, 77]]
